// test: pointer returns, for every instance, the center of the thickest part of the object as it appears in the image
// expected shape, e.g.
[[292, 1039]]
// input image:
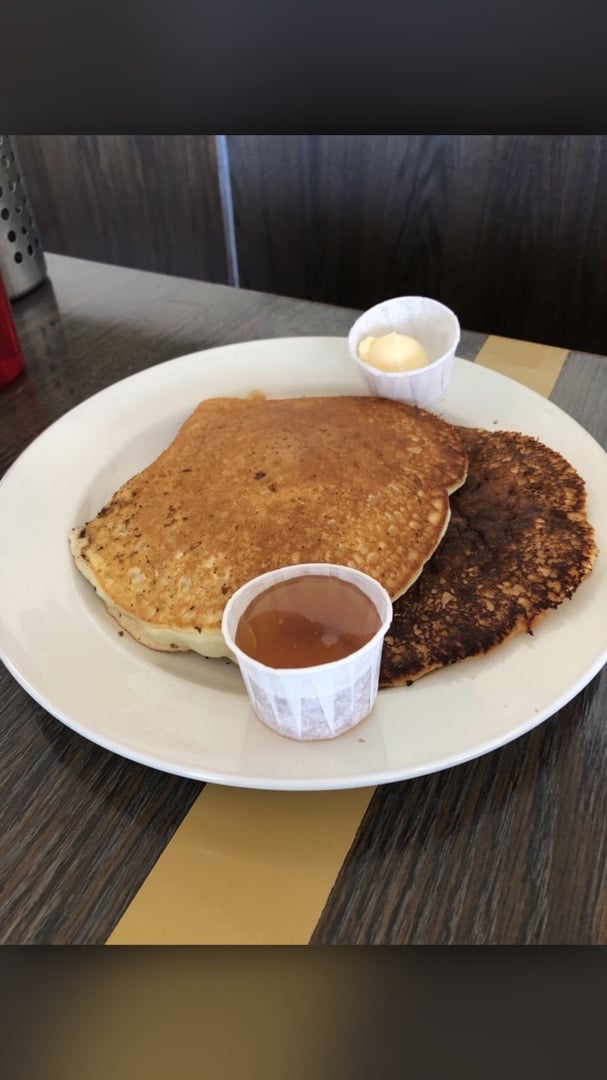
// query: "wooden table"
[[509, 848]]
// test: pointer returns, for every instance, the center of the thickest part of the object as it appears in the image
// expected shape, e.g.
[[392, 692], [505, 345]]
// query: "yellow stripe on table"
[[257, 867], [245, 868], [535, 366]]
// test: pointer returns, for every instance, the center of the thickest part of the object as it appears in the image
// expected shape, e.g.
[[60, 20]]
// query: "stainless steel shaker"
[[22, 262]]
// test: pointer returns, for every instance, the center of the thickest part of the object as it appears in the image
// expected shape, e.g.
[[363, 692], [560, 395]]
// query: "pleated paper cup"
[[432, 324], [319, 702]]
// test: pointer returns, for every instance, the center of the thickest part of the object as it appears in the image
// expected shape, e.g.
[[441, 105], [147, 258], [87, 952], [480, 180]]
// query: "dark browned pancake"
[[518, 544]]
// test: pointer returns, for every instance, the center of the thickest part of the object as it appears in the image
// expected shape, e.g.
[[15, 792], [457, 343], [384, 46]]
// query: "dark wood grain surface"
[[145, 201], [509, 230], [508, 848]]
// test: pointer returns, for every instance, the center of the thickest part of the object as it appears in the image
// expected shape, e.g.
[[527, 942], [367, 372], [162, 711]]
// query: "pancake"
[[251, 484], [517, 545]]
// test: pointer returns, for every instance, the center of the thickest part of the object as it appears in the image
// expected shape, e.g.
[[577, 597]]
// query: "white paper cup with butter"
[[308, 641], [405, 348]]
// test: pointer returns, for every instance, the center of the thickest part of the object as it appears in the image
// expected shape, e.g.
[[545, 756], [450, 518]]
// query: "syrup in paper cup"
[[324, 700]]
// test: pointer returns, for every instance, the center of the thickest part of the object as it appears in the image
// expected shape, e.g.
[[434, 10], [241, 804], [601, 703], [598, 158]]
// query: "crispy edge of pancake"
[[159, 638]]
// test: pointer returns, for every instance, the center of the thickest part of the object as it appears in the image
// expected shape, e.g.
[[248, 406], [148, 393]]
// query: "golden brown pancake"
[[249, 485], [518, 544]]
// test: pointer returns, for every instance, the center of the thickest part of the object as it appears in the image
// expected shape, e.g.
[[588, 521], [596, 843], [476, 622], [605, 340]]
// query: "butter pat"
[[393, 352]]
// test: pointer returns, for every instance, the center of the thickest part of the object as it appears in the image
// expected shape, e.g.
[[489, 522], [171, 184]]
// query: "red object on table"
[[11, 357]]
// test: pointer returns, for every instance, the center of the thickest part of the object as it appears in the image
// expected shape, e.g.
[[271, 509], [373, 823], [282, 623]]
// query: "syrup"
[[308, 620]]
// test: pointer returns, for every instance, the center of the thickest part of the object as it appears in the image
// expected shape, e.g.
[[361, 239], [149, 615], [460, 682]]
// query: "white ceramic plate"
[[191, 716]]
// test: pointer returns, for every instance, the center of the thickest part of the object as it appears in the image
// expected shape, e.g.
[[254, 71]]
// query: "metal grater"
[[22, 263]]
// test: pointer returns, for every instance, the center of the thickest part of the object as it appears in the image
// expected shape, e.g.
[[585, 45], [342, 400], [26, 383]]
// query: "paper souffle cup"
[[317, 702], [432, 324]]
